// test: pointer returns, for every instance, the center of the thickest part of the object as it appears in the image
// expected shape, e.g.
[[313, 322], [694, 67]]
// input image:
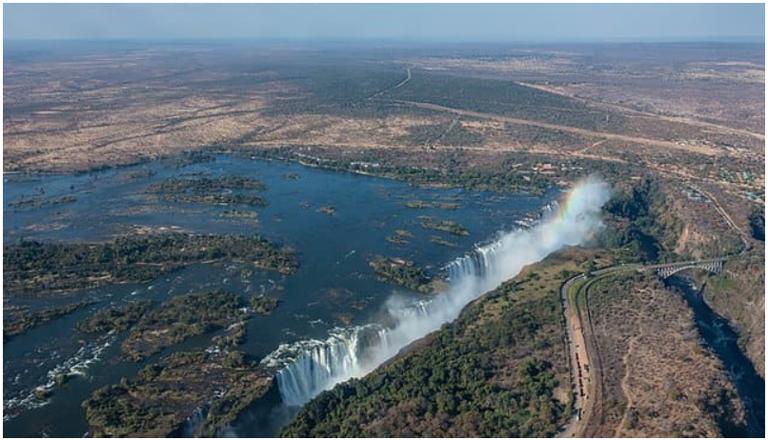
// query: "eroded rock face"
[[658, 378], [738, 294]]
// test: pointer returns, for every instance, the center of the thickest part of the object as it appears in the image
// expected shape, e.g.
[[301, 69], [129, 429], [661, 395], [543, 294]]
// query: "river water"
[[333, 287]]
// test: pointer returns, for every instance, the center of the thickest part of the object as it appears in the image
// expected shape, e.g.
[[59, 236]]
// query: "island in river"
[[116, 273]]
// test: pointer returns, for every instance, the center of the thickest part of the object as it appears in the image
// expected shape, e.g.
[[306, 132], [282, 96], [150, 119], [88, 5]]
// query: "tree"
[[589, 267]]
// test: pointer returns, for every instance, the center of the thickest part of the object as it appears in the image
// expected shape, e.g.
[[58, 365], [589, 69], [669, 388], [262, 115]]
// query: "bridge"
[[667, 270]]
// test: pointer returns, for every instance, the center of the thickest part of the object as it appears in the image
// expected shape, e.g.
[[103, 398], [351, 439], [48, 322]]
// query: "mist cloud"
[[319, 365]]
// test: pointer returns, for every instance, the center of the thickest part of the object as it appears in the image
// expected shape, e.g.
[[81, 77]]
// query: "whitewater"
[[306, 368]]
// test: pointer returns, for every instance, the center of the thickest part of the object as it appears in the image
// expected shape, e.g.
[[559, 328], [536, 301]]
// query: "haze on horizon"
[[401, 22]]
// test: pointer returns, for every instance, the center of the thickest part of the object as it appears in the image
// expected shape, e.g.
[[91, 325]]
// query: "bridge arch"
[[667, 270]]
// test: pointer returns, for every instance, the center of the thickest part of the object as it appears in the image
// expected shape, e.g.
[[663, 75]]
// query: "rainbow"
[[314, 366]]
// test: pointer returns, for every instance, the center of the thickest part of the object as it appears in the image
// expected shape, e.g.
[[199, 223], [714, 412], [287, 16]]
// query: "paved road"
[[584, 361], [576, 358]]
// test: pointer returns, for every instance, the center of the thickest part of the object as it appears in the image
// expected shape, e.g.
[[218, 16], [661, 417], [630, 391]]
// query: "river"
[[333, 287]]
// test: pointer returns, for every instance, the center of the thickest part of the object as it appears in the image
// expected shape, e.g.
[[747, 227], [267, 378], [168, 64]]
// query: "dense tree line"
[[40, 202], [115, 318], [485, 375], [225, 190], [448, 226], [33, 266], [158, 401], [402, 272], [263, 305], [513, 172], [19, 322], [505, 98], [641, 223], [180, 318]]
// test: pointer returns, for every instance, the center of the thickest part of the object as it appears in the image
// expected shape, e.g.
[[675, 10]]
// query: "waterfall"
[[313, 369], [307, 368], [477, 263]]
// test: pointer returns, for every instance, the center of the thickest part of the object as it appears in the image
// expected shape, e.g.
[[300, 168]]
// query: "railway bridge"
[[667, 270]]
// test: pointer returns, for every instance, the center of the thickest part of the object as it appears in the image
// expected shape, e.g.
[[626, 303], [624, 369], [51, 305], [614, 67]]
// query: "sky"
[[401, 22]]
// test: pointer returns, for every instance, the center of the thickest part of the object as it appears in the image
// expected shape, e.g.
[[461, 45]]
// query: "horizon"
[[693, 40], [389, 23], [390, 221]]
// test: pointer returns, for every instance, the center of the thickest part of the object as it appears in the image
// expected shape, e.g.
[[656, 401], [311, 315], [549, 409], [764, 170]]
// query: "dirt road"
[[701, 149], [721, 128], [396, 86]]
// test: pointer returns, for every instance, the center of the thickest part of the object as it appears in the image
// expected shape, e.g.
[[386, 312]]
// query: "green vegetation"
[[512, 172], [443, 225], [471, 178], [339, 88], [21, 321], [42, 393], [141, 174], [36, 267], [402, 272], [217, 191], [115, 318], [237, 213], [40, 202], [504, 98], [449, 133], [192, 157], [263, 305], [234, 336], [502, 180], [643, 225], [734, 294], [422, 204], [158, 400], [180, 318], [496, 371], [205, 184], [400, 237]]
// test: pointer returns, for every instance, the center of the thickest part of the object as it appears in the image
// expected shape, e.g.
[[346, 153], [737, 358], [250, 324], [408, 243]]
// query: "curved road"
[[583, 356], [583, 352]]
